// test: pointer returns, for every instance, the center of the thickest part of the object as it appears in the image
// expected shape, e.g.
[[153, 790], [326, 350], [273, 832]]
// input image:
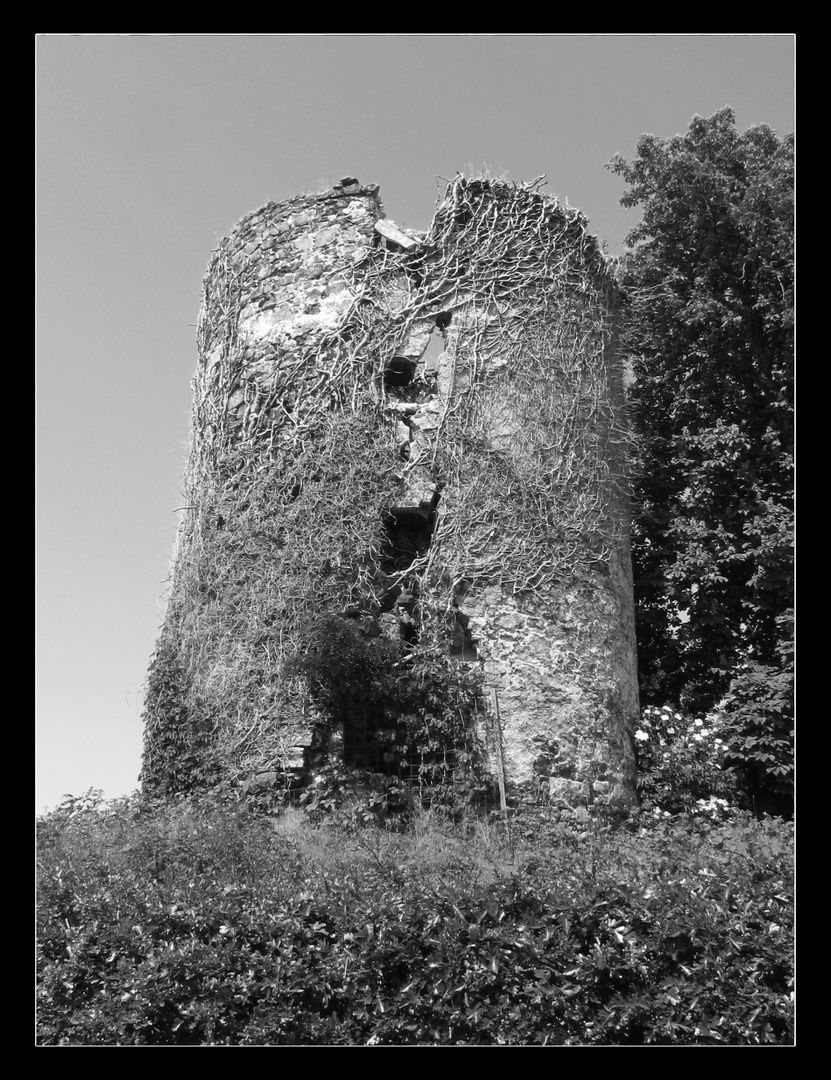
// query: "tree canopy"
[[708, 329]]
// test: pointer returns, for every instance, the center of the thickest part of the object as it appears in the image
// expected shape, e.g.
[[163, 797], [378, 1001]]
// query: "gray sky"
[[151, 148]]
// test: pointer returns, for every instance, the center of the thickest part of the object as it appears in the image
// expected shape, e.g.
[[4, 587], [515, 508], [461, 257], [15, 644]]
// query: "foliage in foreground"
[[206, 924]]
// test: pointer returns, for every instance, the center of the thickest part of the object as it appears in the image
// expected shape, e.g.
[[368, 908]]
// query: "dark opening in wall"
[[462, 645], [399, 372], [348, 667], [362, 748], [407, 532]]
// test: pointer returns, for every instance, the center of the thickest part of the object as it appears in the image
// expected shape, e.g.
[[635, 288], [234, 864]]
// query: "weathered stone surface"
[[569, 791]]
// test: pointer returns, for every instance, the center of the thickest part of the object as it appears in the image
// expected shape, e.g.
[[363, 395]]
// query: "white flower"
[[705, 732], [718, 742], [641, 736], [678, 716], [697, 737], [698, 723], [670, 731]]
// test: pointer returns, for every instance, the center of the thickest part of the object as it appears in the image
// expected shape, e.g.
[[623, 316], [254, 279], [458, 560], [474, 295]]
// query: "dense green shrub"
[[739, 756], [404, 711], [681, 762], [199, 924], [759, 729]]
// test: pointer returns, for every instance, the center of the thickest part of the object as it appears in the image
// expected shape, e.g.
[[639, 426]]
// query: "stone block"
[[568, 791], [391, 232]]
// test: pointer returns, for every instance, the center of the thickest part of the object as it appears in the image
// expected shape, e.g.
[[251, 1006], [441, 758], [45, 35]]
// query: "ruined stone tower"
[[406, 520]]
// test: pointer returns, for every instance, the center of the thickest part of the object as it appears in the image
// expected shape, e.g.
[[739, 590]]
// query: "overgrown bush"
[[197, 924], [739, 756], [681, 762], [405, 711]]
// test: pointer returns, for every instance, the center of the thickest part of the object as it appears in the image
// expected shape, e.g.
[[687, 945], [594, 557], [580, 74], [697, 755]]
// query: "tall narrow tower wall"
[[422, 435]]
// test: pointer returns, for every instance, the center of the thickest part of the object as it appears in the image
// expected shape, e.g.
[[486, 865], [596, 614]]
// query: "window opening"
[[407, 532], [399, 372], [462, 645], [429, 362]]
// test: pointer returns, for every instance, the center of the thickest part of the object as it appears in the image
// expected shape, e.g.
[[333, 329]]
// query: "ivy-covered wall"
[[406, 535]]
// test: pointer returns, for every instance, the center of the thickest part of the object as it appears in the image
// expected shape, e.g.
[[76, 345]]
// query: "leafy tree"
[[708, 288]]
